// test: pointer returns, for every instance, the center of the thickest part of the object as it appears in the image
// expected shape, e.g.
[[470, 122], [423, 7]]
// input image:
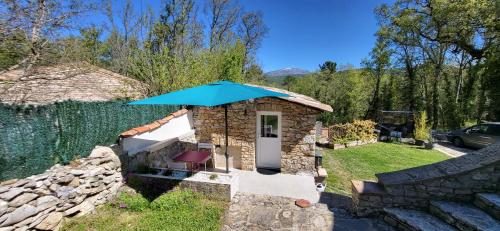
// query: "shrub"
[[358, 130], [422, 131]]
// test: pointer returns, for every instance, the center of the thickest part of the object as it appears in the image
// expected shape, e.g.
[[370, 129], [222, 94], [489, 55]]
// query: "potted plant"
[[421, 132]]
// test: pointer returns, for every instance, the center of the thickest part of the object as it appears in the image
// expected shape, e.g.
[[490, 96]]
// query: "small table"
[[194, 157]]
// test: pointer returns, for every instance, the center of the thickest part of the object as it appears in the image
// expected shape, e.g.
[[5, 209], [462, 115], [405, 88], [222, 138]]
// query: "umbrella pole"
[[226, 140]]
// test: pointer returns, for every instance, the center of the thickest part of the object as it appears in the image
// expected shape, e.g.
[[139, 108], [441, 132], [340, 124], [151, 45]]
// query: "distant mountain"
[[290, 71]]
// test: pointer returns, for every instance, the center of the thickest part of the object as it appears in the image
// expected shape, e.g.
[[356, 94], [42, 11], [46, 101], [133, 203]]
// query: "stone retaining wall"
[[42, 201], [456, 179], [159, 184]]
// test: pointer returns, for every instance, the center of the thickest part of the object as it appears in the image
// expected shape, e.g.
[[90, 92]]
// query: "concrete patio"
[[283, 185]]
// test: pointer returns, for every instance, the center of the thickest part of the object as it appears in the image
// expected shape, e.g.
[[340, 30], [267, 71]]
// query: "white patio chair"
[[208, 146]]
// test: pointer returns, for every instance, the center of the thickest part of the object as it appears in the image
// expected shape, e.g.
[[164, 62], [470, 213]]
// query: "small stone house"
[[72, 81], [270, 133]]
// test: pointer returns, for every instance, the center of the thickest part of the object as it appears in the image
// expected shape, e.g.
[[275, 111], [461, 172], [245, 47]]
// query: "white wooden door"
[[268, 139]]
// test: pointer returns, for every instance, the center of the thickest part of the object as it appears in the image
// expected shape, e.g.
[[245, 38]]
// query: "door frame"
[[257, 133]]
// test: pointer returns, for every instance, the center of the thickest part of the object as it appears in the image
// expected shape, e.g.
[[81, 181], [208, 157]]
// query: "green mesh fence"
[[32, 139]]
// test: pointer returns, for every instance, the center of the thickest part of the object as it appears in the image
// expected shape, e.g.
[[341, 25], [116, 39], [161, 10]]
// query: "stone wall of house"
[[456, 179], [42, 201], [298, 131], [157, 155]]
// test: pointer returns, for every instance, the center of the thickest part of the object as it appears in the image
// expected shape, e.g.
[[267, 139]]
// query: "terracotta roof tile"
[[165, 120], [180, 112], [129, 133], [142, 129]]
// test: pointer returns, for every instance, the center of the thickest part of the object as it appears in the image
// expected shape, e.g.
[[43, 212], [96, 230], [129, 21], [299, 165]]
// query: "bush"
[[358, 130], [422, 131]]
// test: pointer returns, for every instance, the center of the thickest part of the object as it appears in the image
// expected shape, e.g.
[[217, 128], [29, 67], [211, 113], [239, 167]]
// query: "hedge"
[[34, 138], [358, 130]]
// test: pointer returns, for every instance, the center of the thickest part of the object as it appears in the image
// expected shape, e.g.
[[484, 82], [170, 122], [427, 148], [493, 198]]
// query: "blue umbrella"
[[214, 94]]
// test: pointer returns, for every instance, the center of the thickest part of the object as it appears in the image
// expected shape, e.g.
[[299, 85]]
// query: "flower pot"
[[419, 142], [429, 145]]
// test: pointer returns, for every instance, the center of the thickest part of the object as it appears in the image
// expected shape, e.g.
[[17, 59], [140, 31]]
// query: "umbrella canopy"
[[213, 94]]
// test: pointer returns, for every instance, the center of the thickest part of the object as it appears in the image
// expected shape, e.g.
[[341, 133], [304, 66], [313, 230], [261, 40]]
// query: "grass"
[[176, 210], [362, 162]]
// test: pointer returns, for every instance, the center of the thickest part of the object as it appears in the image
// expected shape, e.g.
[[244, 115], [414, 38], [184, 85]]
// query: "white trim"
[[257, 132]]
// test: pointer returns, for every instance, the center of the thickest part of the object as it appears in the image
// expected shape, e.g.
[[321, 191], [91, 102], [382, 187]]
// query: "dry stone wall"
[[457, 179], [298, 132], [42, 201]]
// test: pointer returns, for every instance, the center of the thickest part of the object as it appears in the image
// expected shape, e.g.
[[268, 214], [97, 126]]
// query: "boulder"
[[8, 182], [46, 202], [3, 207], [4, 189], [75, 182], [101, 151], [9, 195], [50, 222], [77, 172], [23, 199], [66, 192], [65, 179], [19, 214]]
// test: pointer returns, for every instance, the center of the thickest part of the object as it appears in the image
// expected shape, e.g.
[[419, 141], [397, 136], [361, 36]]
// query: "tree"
[[376, 67], [255, 74], [251, 32], [40, 22], [328, 66], [224, 16]]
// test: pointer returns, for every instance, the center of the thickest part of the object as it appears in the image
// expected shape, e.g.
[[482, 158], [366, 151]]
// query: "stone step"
[[489, 202], [464, 216], [414, 220]]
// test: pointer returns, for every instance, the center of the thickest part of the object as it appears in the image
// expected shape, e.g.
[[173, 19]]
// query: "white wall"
[[174, 128]]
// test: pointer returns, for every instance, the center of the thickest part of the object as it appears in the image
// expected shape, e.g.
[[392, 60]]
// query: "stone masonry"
[[298, 132], [42, 201], [457, 179]]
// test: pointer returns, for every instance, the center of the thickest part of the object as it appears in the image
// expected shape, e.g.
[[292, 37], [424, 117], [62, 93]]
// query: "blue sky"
[[305, 33]]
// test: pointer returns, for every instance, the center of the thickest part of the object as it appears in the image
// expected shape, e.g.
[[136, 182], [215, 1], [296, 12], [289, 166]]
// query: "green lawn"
[[176, 210], [361, 163]]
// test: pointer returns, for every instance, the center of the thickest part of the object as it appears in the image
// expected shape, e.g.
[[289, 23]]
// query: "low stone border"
[[42, 201], [223, 187]]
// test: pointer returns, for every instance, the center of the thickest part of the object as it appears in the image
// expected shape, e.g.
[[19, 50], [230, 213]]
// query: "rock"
[[20, 183], [46, 202], [8, 182], [65, 179], [54, 187], [77, 172], [9, 195], [3, 207], [8, 228], [303, 203], [74, 183], [93, 191], [50, 222], [66, 192], [19, 214], [101, 151], [85, 208], [94, 172], [23, 199], [31, 184], [4, 189]]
